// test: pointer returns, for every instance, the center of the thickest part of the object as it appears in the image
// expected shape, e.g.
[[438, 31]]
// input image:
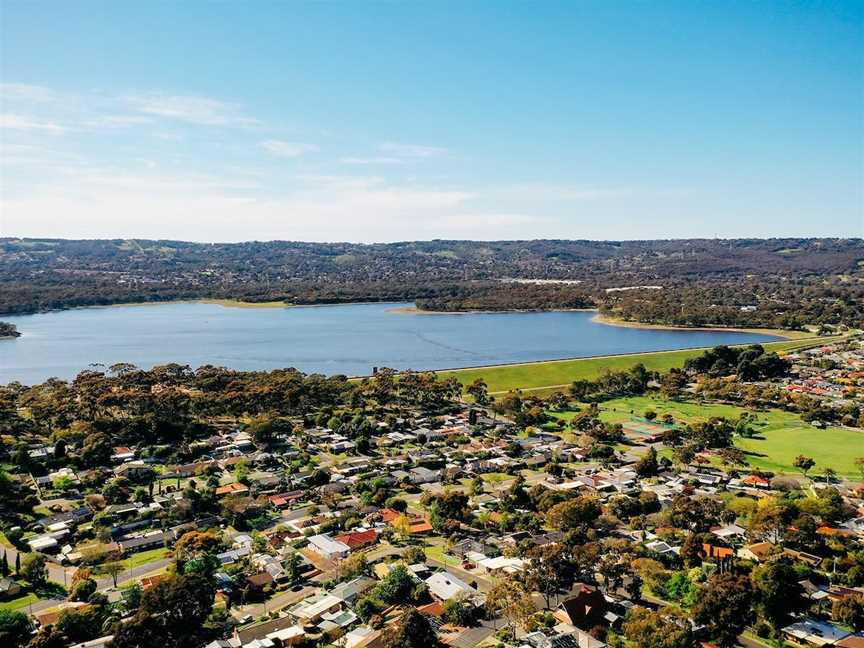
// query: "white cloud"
[[280, 148], [203, 111], [198, 207], [371, 160], [120, 121], [10, 121], [412, 150], [26, 92]]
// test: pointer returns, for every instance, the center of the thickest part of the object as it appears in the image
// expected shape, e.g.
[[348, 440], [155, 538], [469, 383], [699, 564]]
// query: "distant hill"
[[39, 274]]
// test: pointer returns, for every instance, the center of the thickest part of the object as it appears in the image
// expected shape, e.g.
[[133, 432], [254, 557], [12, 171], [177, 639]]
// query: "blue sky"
[[382, 121]]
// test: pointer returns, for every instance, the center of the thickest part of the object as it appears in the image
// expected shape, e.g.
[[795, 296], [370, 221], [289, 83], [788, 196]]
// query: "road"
[[61, 575]]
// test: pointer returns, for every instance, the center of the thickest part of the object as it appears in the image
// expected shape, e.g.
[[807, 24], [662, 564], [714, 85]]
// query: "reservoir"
[[346, 339]]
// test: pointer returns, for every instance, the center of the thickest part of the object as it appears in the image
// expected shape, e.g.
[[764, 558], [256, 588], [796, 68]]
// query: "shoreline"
[[611, 321], [779, 333], [413, 310], [225, 303], [524, 363]]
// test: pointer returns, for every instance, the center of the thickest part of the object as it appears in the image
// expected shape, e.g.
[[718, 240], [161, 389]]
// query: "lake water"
[[345, 339]]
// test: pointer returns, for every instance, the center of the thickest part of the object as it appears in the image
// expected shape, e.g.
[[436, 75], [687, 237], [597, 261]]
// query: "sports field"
[[781, 436], [558, 374]]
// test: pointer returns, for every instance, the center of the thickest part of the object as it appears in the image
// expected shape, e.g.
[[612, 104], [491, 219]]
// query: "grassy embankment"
[[780, 436], [557, 374]]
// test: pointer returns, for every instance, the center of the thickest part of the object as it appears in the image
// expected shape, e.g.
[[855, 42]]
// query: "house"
[[134, 471], [358, 539], [758, 552], [9, 588], [351, 590], [811, 632], [729, 532], [140, 543], [755, 481], [713, 552], [327, 547], [233, 555], [444, 586], [235, 488], [421, 475], [284, 500], [502, 565], [312, 609], [585, 609], [416, 525], [44, 544], [259, 631]]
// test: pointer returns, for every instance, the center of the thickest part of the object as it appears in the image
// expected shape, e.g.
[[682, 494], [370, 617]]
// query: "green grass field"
[[785, 435], [537, 376], [144, 557], [20, 602]]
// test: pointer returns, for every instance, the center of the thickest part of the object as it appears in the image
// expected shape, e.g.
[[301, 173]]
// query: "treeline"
[[506, 297], [766, 300], [173, 405], [748, 363], [704, 282]]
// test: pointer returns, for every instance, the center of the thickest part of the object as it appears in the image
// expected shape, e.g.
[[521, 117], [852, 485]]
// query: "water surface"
[[346, 339]]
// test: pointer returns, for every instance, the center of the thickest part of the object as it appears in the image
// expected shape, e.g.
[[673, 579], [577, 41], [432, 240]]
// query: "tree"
[[14, 628], [452, 505], [664, 628], [263, 430], [775, 589], [195, 543], [548, 570], [402, 526], [113, 569], [510, 599], [573, 513], [647, 465], [50, 637], [34, 570], [396, 587], [96, 450], [859, 464], [414, 631], [849, 610], [458, 611], [479, 391], [141, 633], [724, 607], [171, 613], [353, 566], [81, 624], [804, 464], [82, 590]]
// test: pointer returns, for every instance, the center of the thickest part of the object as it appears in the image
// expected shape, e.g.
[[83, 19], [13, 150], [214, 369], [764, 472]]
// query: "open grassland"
[[781, 436], [552, 374]]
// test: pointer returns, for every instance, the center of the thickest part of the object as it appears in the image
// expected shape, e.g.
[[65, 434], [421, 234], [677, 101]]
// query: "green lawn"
[[785, 434], [142, 558], [20, 602], [560, 373]]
